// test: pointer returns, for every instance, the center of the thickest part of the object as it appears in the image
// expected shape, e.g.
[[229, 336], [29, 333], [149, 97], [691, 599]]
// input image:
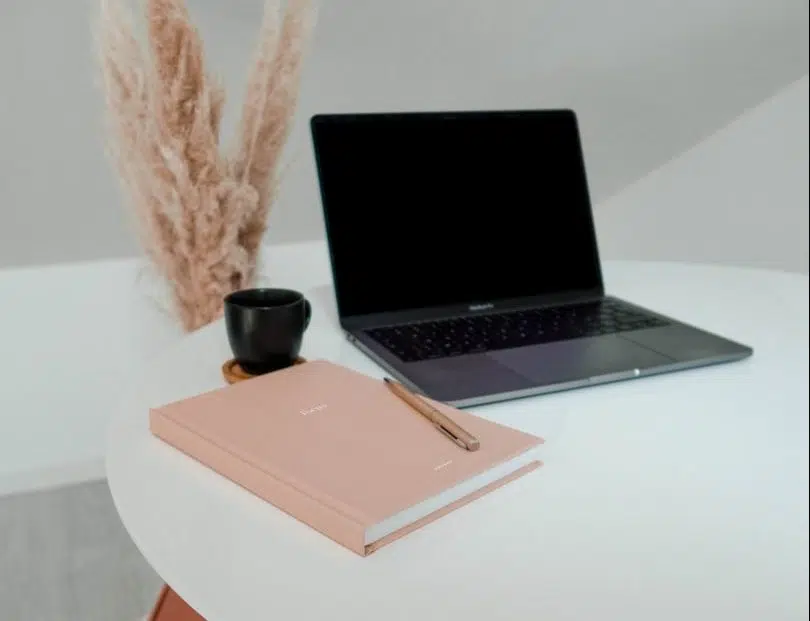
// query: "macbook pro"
[[465, 260]]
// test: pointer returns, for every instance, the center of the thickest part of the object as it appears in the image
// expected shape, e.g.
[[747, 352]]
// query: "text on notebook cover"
[[316, 408]]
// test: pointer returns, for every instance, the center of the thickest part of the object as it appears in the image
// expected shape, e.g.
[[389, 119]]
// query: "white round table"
[[682, 496]]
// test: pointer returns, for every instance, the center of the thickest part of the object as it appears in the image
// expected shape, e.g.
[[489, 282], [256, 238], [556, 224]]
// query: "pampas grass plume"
[[200, 213]]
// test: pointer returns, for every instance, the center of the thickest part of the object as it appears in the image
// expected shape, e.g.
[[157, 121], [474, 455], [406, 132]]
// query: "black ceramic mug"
[[265, 327]]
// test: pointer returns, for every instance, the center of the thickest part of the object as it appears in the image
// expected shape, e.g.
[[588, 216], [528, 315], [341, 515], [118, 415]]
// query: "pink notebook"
[[338, 451]]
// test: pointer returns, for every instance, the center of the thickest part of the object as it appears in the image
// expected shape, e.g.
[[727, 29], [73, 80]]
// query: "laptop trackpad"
[[464, 377], [579, 359]]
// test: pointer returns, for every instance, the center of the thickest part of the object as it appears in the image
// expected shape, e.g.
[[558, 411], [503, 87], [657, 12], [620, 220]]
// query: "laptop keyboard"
[[481, 333]]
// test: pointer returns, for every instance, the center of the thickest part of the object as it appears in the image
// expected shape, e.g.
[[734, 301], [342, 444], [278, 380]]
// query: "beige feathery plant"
[[201, 214]]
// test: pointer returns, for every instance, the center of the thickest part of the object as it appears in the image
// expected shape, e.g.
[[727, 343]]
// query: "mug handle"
[[307, 313]]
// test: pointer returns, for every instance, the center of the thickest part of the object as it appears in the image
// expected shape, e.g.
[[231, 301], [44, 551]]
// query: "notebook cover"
[[375, 456]]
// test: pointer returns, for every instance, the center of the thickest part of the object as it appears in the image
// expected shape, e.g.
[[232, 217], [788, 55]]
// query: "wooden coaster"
[[233, 373]]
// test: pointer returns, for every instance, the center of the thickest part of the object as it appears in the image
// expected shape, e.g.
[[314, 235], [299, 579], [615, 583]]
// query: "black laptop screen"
[[428, 210]]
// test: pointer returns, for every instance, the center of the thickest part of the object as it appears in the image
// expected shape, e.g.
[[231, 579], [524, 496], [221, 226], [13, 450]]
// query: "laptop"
[[465, 260]]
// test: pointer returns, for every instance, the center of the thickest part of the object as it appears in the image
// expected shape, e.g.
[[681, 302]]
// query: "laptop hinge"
[[362, 322]]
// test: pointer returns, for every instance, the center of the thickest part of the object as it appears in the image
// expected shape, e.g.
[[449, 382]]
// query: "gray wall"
[[740, 197], [649, 78]]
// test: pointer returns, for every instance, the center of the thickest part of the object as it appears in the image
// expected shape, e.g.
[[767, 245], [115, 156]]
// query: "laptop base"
[[501, 375]]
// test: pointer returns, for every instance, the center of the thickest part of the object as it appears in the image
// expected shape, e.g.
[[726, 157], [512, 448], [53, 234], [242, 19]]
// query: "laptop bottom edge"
[[536, 389]]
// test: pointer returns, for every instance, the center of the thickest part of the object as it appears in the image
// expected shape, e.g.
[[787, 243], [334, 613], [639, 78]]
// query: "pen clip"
[[450, 435]]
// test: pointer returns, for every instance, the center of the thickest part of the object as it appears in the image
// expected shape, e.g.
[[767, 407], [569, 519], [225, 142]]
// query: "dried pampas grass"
[[201, 214]]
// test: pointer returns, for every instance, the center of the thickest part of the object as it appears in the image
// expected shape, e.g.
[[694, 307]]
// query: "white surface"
[[677, 497], [71, 336], [740, 197], [649, 77]]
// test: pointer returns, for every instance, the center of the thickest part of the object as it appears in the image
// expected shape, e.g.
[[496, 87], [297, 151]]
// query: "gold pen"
[[442, 422]]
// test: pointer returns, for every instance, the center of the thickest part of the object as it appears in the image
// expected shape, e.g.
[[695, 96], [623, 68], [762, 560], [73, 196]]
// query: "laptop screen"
[[440, 209]]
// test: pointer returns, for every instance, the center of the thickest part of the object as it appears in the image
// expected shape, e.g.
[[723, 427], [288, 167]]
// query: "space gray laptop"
[[465, 260]]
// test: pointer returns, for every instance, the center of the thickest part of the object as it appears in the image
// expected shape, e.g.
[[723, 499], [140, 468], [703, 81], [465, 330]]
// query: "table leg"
[[171, 607]]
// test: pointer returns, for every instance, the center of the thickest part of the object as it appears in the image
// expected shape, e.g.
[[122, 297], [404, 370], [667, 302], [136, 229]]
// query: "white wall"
[[649, 78], [740, 197]]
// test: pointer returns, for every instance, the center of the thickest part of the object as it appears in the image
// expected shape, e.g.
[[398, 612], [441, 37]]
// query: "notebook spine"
[[284, 496]]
